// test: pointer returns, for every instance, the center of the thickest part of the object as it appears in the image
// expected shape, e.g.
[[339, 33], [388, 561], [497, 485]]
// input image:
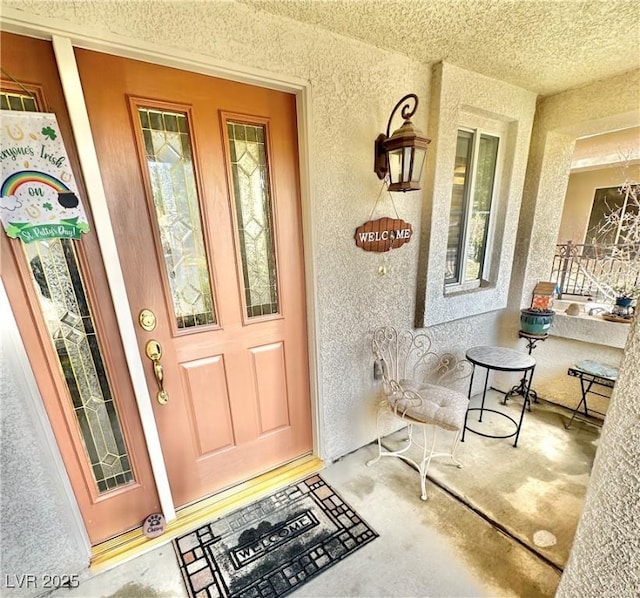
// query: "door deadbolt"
[[147, 320]]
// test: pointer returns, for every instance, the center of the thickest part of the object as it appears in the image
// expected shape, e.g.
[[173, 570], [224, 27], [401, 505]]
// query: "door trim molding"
[[303, 110], [72, 88], [17, 21], [65, 36]]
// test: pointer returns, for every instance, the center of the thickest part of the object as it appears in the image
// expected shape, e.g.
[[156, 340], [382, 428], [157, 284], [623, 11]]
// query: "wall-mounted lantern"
[[402, 154]]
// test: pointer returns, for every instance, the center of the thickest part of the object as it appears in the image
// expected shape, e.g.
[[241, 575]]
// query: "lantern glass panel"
[[395, 164], [406, 165], [419, 155]]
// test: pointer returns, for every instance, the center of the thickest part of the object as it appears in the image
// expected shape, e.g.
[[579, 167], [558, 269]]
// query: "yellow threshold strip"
[[134, 543]]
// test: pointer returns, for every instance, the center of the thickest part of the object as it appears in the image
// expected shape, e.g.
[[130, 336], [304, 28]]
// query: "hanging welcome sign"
[[383, 234], [38, 197]]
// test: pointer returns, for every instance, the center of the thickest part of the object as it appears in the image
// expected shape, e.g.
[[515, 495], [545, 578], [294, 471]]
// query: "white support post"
[[70, 79]]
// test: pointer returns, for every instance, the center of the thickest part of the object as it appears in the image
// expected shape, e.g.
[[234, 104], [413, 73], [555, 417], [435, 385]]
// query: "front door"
[[202, 184]]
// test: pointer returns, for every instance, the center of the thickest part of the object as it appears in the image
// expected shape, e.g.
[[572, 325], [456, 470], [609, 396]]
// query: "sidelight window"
[[59, 283]]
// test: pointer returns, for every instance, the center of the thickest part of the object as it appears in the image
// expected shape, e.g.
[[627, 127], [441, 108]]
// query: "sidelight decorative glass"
[[175, 197], [250, 172], [64, 304], [57, 278], [16, 101]]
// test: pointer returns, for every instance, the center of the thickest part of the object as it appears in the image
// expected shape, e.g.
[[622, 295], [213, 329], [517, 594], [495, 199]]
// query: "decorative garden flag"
[[38, 197]]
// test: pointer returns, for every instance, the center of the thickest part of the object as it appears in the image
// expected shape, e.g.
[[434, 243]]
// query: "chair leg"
[[410, 434], [385, 453], [454, 448], [376, 459], [428, 450], [426, 459]]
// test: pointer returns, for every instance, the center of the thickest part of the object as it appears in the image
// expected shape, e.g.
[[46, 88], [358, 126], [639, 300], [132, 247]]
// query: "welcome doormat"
[[273, 546]]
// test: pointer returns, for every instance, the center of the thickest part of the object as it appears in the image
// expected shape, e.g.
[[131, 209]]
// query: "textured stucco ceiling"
[[545, 46]]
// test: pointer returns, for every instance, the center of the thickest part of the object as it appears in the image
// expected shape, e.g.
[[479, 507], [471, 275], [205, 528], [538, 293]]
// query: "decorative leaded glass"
[[250, 171], [57, 278], [175, 197], [58, 282], [15, 101]]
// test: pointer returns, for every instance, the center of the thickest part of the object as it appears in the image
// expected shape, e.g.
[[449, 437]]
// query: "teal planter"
[[624, 301], [536, 322]]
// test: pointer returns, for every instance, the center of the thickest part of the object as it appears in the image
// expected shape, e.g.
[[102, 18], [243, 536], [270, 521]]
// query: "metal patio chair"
[[424, 390]]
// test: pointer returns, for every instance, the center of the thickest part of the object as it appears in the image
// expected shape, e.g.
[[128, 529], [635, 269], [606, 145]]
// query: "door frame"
[[65, 37]]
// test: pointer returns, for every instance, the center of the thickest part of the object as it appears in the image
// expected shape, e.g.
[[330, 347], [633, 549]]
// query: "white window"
[[472, 204]]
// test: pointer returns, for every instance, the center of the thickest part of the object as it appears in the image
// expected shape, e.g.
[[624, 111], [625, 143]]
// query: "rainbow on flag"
[[38, 195]]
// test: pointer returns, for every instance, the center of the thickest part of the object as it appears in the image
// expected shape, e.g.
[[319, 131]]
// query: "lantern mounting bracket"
[[407, 145], [406, 109], [380, 166]]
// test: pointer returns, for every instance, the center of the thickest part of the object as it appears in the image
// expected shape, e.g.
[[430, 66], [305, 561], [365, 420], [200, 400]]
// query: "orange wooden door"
[[59, 294], [202, 185]]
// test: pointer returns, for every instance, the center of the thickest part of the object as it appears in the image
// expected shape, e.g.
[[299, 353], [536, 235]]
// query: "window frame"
[[477, 127], [457, 96]]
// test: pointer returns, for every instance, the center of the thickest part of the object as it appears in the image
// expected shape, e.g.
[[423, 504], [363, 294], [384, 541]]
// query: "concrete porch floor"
[[457, 543]]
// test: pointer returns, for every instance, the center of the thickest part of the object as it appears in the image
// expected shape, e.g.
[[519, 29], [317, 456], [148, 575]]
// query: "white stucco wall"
[[605, 557], [42, 533]]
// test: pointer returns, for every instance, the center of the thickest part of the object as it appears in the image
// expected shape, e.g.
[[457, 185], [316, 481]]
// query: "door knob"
[[154, 353]]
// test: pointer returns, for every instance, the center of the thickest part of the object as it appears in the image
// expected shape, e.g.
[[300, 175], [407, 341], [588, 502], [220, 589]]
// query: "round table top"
[[500, 358]]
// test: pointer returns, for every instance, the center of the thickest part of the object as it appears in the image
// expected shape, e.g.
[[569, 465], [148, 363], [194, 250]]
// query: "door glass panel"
[[175, 198], [250, 173], [57, 279], [65, 307]]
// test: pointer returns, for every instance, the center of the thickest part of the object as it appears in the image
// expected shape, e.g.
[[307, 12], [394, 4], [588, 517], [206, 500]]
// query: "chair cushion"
[[430, 404]]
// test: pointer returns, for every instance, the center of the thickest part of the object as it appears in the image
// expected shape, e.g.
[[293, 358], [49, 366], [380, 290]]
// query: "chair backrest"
[[409, 355]]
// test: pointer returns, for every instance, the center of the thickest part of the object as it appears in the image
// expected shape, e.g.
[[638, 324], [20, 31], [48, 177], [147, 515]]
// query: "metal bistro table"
[[503, 360], [592, 373]]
